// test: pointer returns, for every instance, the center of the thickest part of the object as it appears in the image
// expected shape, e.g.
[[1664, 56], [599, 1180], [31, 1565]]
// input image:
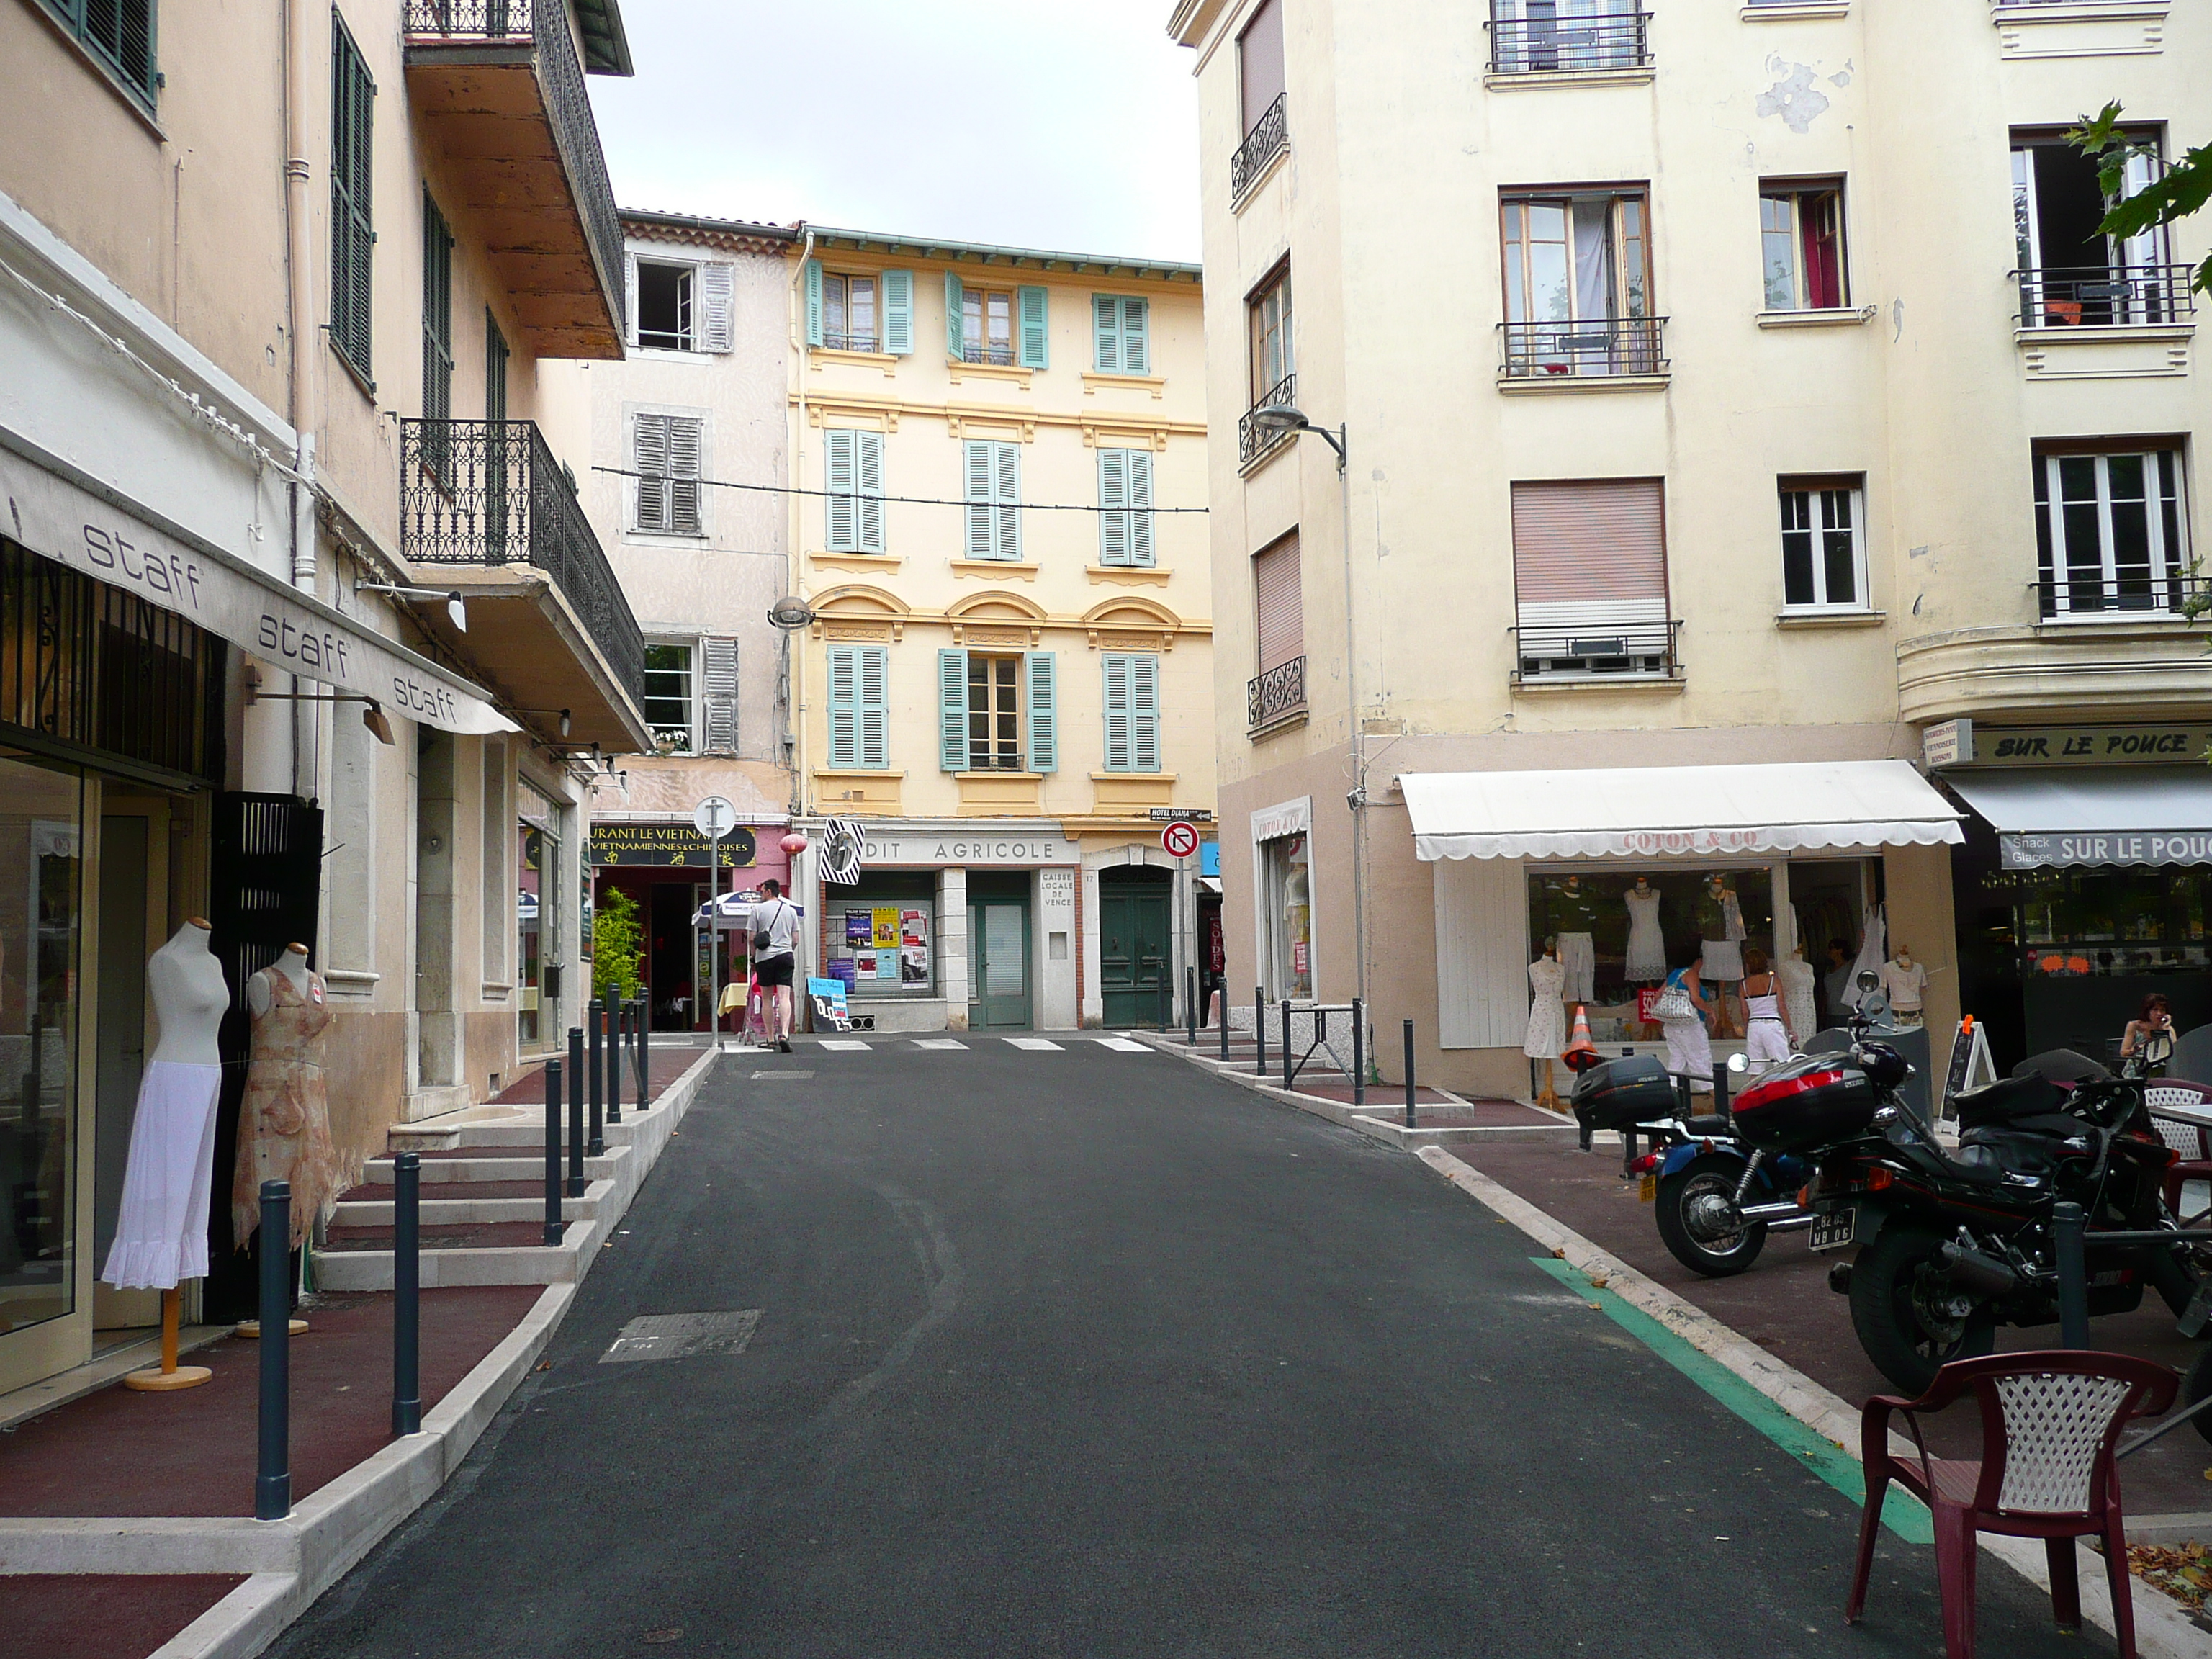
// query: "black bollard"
[[552, 1152], [618, 1061], [1224, 1022], [2068, 1222], [1358, 1053], [1190, 1004], [644, 1058], [1289, 1070], [594, 1025], [272, 1483], [1721, 1091], [1259, 1031], [575, 1111], [407, 1293], [1412, 1114]]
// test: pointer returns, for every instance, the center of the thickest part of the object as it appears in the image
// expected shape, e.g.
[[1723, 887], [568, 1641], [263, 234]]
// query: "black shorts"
[[775, 971]]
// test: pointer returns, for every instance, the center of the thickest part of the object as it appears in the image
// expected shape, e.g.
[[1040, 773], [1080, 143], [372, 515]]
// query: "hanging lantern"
[[794, 844]]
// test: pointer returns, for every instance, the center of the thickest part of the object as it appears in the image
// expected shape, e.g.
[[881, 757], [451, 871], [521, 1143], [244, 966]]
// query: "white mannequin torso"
[[293, 964], [190, 995]]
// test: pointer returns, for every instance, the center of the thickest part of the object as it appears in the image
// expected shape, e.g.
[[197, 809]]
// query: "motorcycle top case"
[[1812, 1101], [1634, 1089]]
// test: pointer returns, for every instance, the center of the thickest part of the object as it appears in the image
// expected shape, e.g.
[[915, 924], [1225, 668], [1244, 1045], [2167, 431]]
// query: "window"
[[437, 317], [994, 738], [666, 458], [1801, 233], [1125, 494], [1273, 362], [849, 319], [994, 494], [1132, 711], [352, 241], [1589, 578], [682, 305], [998, 711], [1008, 327], [859, 710], [2109, 532], [1121, 326], [120, 34], [1823, 544], [1578, 286], [2072, 274], [849, 311], [1539, 37], [854, 462], [668, 705], [663, 306]]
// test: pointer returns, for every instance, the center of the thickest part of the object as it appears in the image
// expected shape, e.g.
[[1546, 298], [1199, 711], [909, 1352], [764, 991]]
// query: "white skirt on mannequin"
[[160, 1230], [1578, 955]]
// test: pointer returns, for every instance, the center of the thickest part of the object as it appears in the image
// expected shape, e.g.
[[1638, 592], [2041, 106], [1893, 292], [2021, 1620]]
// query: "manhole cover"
[[779, 1077], [679, 1336]]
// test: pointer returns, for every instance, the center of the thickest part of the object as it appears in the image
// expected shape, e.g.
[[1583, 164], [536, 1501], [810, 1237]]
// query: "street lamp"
[[1289, 418]]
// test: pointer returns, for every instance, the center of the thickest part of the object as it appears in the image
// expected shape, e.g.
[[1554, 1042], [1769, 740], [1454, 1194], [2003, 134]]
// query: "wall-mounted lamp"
[[562, 712], [372, 716], [457, 609], [790, 615]]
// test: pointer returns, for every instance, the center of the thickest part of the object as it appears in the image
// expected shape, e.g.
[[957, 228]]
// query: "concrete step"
[[468, 1165], [468, 1206]]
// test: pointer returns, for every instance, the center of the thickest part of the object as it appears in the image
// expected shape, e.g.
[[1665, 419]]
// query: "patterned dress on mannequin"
[[1548, 1019], [284, 1121], [1647, 945], [1797, 979]]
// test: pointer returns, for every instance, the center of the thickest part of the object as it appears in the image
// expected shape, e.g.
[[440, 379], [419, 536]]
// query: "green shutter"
[[1140, 464], [844, 709], [1136, 336], [875, 708], [1113, 507], [437, 315], [1043, 678], [353, 236], [1144, 713], [955, 304], [1106, 333], [981, 521], [838, 467], [1033, 310], [814, 302], [1116, 666], [1007, 480], [952, 710], [899, 312], [868, 479]]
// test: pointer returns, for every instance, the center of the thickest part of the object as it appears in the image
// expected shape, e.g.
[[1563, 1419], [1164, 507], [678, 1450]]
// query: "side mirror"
[[1868, 979], [1739, 1063]]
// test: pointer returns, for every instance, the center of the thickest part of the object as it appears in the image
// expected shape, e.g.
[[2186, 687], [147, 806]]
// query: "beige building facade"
[[270, 401], [1761, 395]]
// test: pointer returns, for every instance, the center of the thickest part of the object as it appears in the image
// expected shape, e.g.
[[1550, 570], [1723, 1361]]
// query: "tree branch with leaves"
[[2181, 189]]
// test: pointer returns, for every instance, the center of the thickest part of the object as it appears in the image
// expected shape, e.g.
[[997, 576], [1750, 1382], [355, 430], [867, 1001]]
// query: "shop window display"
[[1287, 880], [2087, 923], [1618, 934], [880, 941]]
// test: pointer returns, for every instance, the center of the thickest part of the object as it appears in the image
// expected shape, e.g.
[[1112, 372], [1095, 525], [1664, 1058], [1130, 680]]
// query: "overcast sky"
[[1068, 124]]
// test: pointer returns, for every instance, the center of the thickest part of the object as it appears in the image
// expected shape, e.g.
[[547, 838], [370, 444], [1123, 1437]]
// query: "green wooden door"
[[1133, 951], [998, 942]]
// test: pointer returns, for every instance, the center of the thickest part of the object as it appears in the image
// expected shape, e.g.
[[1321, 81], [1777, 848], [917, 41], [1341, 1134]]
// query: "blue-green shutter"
[[955, 303], [1043, 678], [839, 480], [952, 710], [1140, 507], [1033, 309], [1115, 666], [1007, 480], [875, 705], [814, 302], [1144, 713], [844, 708], [1114, 507], [1136, 336], [899, 312], [1106, 333]]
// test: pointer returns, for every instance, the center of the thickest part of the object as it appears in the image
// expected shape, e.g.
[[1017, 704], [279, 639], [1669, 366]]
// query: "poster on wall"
[[913, 927], [860, 928], [887, 964], [840, 967], [913, 964], [864, 963], [886, 927]]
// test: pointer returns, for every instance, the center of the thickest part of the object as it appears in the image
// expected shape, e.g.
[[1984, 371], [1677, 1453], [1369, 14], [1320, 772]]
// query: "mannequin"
[[1797, 1007], [161, 1232], [284, 1122], [1720, 923], [1647, 945], [1574, 912], [1547, 1023], [1903, 981]]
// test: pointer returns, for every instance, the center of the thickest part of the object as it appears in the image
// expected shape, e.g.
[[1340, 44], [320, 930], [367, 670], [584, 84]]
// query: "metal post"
[[575, 1111], [1224, 1022], [1720, 1091], [1290, 1075], [595, 1017], [272, 1483], [714, 935], [1190, 1004], [406, 1294], [618, 1058], [644, 1058], [2068, 1222], [1412, 1089], [1259, 1030], [1358, 1053], [552, 1152]]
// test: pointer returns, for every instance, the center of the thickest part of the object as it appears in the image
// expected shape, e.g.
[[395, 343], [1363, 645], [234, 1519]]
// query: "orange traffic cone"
[[1580, 1053]]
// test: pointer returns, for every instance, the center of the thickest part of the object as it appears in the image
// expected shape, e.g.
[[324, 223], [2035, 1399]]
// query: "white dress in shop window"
[[1547, 1020], [1647, 945], [1797, 979]]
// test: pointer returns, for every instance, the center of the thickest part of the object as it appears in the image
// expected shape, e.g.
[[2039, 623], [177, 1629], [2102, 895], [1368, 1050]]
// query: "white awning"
[[1648, 811], [2066, 818]]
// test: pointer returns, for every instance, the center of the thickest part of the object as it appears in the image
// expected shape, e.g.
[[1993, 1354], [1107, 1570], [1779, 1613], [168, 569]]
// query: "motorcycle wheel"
[[1700, 1182], [2194, 1387], [1907, 1337]]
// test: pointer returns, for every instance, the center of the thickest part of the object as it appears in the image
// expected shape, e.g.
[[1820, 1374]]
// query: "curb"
[[2163, 1628]]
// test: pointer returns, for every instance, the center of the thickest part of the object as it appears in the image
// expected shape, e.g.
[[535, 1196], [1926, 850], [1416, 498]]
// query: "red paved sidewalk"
[[102, 1615], [667, 1062]]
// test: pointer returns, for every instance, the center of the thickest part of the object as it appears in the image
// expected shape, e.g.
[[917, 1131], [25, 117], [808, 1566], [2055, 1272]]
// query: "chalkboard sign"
[[1971, 1065]]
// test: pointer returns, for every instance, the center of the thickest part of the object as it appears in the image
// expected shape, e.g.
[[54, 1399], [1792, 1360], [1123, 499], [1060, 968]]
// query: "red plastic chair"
[[2191, 1143], [2049, 1421]]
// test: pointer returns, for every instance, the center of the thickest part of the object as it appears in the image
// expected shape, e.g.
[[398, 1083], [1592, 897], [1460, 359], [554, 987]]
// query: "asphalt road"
[[1084, 1353]]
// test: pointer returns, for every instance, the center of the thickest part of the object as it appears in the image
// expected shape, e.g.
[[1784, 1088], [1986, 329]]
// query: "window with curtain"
[[1801, 233], [2110, 530], [848, 314], [994, 712], [1579, 285], [1539, 37], [1589, 578], [1823, 544]]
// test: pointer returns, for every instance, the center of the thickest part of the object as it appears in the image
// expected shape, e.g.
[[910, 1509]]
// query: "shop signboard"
[[1181, 814], [2084, 849], [2174, 743], [1948, 743], [673, 846], [894, 847]]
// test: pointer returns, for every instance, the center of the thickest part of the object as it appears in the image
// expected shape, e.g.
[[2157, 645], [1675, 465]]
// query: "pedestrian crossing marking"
[[845, 1045], [937, 1042], [1032, 1043], [1121, 1045]]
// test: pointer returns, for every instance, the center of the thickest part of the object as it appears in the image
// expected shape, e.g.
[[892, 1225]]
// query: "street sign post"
[[714, 817], [1180, 839]]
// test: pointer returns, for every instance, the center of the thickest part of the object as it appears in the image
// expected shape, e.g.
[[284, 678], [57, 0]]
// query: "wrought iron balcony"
[[489, 493], [499, 84], [1569, 46], [2129, 594], [1276, 694], [974, 351], [1254, 440], [2099, 296], [848, 342], [1615, 651], [1270, 137], [1592, 346]]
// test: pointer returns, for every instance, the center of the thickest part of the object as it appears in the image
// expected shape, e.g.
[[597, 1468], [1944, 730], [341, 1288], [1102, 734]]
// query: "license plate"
[[1647, 1190], [1836, 1228]]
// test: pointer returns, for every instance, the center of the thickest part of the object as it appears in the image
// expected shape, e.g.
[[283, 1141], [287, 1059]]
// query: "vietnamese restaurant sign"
[[673, 846]]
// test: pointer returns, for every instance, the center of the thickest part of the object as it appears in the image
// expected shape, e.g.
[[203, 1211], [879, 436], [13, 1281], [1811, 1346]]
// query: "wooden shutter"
[[868, 479], [897, 301], [649, 442], [981, 537], [814, 302], [874, 700], [720, 679], [837, 447], [1145, 712], [718, 293], [1118, 747], [1042, 675], [1589, 555], [353, 100], [1006, 488], [1106, 333], [1260, 63], [684, 435], [1280, 597], [629, 299], [1136, 330], [955, 304], [1033, 309], [1114, 507], [1140, 507], [844, 707], [437, 313], [952, 710]]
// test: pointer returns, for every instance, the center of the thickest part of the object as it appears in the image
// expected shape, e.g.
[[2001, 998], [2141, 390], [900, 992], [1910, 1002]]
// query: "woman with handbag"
[[1682, 1012], [775, 953]]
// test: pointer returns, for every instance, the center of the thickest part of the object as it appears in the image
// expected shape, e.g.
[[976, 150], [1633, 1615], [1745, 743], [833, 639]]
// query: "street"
[[1078, 1351]]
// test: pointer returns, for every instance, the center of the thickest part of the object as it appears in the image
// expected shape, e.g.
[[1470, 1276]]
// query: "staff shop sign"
[[2102, 847], [668, 845]]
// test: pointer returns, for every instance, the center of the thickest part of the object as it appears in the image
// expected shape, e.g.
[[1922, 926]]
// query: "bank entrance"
[[999, 939]]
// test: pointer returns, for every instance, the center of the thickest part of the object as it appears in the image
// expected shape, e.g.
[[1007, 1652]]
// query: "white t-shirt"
[[779, 919], [1903, 985]]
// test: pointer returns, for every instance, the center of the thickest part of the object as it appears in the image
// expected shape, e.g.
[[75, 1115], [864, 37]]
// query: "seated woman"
[[2156, 1019]]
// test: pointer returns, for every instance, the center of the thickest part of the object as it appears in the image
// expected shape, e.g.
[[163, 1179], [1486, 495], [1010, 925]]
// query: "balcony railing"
[[1276, 694], [545, 25], [972, 351], [2097, 296], [1622, 651], [848, 342], [490, 493], [1254, 439], [1595, 346], [1568, 45], [2138, 593], [1270, 135]]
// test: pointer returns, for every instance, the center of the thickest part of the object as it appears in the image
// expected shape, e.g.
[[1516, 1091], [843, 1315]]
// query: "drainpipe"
[[300, 331], [795, 531]]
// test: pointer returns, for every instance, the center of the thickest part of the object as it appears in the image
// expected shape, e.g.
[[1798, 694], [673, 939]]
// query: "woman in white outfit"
[[1689, 1050], [1767, 1040]]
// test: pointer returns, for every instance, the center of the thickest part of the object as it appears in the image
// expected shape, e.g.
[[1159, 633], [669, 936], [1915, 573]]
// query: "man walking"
[[776, 954]]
